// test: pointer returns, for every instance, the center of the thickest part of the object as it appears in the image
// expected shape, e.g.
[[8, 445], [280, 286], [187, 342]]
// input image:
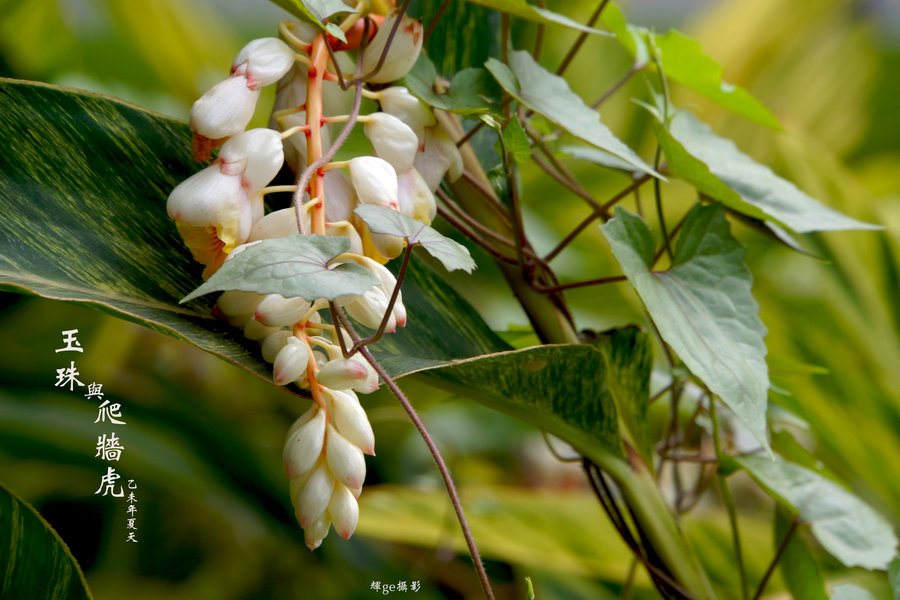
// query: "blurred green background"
[[203, 438]]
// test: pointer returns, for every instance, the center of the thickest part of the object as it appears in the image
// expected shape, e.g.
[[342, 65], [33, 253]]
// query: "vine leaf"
[[703, 306], [296, 265], [797, 565], [317, 12], [599, 157], [894, 577], [467, 92], [34, 561], [683, 60], [845, 526], [550, 95], [850, 591], [718, 169], [452, 255], [523, 10]]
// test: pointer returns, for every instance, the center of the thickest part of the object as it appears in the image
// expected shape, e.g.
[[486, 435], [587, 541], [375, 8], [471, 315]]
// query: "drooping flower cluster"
[[221, 208]]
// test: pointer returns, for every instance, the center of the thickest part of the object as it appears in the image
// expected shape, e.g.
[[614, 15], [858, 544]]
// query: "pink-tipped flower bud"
[[238, 307], [375, 181], [345, 460], [392, 140], [263, 152], [399, 102], [344, 511], [369, 308], [402, 54], [225, 109], [291, 361], [304, 445], [415, 198], [264, 61], [439, 157], [350, 419], [341, 374], [277, 311], [313, 499], [370, 383]]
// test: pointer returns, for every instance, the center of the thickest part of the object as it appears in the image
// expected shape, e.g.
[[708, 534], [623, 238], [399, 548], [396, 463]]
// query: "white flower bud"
[[375, 181], [263, 151], [225, 109], [369, 308], [316, 531], [265, 61], [402, 54], [277, 311], [341, 374], [291, 361], [236, 302], [370, 383], [304, 445], [415, 198], [305, 418], [313, 499], [439, 157], [389, 246], [351, 421], [344, 511], [345, 460], [340, 199], [399, 102], [256, 331], [272, 344], [276, 224], [392, 140]]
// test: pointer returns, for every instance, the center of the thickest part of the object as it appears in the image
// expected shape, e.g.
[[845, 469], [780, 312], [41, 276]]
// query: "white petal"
[[235, 302], [345, 230], [341, 374], [314, 533], [345, 460], [304, 445], [254, 330], [340, 198], [415, 197], [351, 421], [313, 498], [225, 109], [399, 102], [375, 181], [273, 343], [392, 140], [404, 50], [440, 156], [276, 224], [291, 361], [266, 60], [264, 153], [277, 311], [211, 199], [344, 511]]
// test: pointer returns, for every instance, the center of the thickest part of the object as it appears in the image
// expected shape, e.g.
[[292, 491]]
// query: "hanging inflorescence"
[[220, 210]]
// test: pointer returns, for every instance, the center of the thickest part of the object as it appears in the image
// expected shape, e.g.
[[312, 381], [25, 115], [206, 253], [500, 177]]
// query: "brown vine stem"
[[581, 39], [438, 459], [472, 235], [616, 86], [781, 548], [578, 284], [434, 20], [594, 215]]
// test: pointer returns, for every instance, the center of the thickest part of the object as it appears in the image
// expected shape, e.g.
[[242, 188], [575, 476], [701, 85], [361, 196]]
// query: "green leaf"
[[718, 169], [94, 231], [702, 305], [523, 10], [34, 561], [850, 591], [465, 34], [684, 61], [296, 265], [516, 141], [465, 96], [561, 389], [316, 11], [845, 526], [550, 95], [452, 255], [894, 577], [598, 157], [798, 568], [629, 360]]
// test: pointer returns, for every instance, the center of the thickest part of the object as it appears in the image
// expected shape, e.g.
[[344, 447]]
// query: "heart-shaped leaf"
[[550, 95], [296, 265], [702, 305], [452, 255], [523, 10], [34, 561]]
